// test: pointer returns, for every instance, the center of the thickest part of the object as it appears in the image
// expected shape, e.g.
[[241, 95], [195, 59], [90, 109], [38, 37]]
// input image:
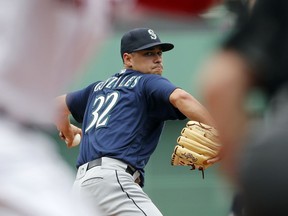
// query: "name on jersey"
[[116, 82]]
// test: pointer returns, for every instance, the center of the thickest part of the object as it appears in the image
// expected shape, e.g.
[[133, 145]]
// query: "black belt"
[[98, 162]]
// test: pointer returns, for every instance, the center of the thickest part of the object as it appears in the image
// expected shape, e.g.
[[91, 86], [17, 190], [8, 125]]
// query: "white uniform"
[[43, 44]]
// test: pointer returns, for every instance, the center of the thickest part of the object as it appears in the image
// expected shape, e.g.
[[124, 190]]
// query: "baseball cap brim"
[[164, 46]]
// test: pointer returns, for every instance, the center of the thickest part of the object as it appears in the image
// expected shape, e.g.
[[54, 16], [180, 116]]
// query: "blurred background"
[[175, 190]]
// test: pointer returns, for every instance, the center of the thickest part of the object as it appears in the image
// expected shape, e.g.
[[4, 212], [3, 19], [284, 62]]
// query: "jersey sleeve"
[[262, 40], [77, 101], [158, 90]]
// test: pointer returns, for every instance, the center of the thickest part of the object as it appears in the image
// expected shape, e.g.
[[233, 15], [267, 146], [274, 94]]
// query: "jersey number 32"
[[102, 107]]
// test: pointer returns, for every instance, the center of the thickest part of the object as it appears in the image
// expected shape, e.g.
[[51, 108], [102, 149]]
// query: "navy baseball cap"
[[140, 39]]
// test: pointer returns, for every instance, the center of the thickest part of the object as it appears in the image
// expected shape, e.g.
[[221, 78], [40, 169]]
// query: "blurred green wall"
[[175, 190]]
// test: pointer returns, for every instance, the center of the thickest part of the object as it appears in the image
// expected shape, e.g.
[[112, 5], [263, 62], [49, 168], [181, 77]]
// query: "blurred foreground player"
[[43, 44], [254, 57]]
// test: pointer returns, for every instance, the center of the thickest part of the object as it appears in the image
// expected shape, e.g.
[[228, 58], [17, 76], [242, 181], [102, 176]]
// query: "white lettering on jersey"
[[127, 84], [99, 86], [113, 82], [135, 82]]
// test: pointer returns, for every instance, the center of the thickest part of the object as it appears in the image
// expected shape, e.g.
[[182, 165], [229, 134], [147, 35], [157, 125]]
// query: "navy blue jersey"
[[123, 117]]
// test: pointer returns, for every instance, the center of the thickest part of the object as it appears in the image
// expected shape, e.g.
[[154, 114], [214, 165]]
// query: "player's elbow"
[[178, 96]]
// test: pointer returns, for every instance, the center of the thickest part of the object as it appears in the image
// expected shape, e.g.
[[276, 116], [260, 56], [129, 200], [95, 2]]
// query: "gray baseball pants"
[[113, 190]]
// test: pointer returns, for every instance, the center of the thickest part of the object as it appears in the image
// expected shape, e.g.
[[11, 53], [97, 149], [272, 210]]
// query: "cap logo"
[[152, 34]]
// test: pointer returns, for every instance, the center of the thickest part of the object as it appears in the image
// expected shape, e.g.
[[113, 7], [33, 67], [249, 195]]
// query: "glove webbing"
[[176, 159]]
